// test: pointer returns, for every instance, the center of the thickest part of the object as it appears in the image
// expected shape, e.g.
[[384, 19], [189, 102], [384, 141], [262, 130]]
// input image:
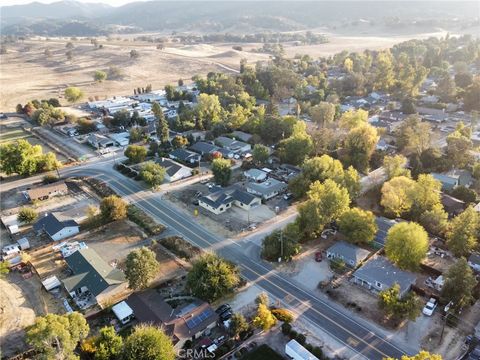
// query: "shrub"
[[286, 328], [143, 220], [293, 334], [283, 315], [49, 178], [27, 215], [180, 247], [301, 339], [318, 352]]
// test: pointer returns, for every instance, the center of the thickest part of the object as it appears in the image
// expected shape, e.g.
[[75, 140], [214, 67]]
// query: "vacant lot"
[[48, 76]]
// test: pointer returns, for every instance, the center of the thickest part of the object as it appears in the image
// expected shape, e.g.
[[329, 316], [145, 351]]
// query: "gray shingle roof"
[[170, 166], [203, 147], [183, 154], [243, 197], [380, 269], [348, 251], [51, 225], [217, 199], [92, 271], [267, 187], [474, 259]]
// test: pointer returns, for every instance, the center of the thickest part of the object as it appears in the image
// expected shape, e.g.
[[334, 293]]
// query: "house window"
[[377, 284]]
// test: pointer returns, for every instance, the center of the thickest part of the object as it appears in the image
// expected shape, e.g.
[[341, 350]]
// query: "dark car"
[[226, 315], [475, 354], [223, 308]]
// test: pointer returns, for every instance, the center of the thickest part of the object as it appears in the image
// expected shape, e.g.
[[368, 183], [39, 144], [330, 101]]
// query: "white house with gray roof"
[[173, 170], [351, 254], [55, 228], [379, 274], [220, 201], [267, 189]]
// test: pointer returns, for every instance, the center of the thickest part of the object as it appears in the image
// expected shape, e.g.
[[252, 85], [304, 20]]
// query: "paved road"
[[352, 334]]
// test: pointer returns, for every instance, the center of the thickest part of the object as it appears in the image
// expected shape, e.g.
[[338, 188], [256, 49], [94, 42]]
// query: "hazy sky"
[[110, 2]]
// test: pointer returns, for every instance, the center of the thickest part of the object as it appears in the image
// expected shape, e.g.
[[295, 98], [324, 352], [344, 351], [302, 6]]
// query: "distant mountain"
[[233, 16]]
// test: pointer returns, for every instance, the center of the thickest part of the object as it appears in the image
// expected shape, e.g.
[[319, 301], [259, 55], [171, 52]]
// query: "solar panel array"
[[191, 323]]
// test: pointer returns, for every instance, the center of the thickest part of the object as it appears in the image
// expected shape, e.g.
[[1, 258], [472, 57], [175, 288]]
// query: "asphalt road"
[[348, 331]]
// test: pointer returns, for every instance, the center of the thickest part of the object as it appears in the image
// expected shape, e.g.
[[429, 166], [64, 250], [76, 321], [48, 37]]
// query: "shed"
[[123, 312], [51, 283], [23, 243]]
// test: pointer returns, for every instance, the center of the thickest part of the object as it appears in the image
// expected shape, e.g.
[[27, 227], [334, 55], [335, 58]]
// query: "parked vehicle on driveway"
[[318, 256], [430, 307]]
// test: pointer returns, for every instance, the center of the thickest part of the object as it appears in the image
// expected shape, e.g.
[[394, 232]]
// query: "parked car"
[[223, 308], [475, 354], [318, 256], [287, 196], [328, 232], [226, 315], [430, 307]]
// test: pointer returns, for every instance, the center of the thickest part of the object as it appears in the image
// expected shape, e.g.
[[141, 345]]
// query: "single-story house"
[[226, 153], [185, 156], [452, 206], [267, 189], [383, 225], [186, 323], [93, 276], [220, 201], [379, 274], [351, 254], [99, 141], [233, 145], [55, 228], [454, 178], [11, 223], [120, 139], [174, 171], [255, 175], [243, 136], [46, 191], [204, 148], [474, 262]]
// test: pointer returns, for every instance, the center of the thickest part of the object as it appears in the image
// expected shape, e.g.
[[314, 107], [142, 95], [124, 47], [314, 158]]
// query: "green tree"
[[351, 180], [141, 267], [406, 245], [136, 153], [384, 74], [459, 284], [108, 344], [353, 118], [148, 343], [222, 171], [113, 208], [4, 268], [435, 220], [360, 145], [57, 336], [179, 142], [211, 277], [471, 96], [323, 113], [446, 89], [459, 146], [162, 125], [396, 195], [297, 147], [462, 237], [425, 194], [280, 245], [100, 76], [73, 94], [152, 173], [407, 307], [262, 298], [422, 355], [264, 318], [465, 194], [395, 166], [209, 111], [27, 215], [238, 325], [260, 154], [408, 106], [413, 135], [326, 202], [358, 226]]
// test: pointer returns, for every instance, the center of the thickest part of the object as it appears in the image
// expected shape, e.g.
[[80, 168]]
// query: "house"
[[220, 201], [120, 139], [56, 229], [196, 135], [243, 136], [185, 156], [204, 148], [46, 191], [454, 178], [474, 262], [174, 170], [181, 324], [226, 153], [233, 145], [99, 141], [255, 175], [93, 278], [267, 189], [379, 274], [351, 254], [383, 225], [452, 206]]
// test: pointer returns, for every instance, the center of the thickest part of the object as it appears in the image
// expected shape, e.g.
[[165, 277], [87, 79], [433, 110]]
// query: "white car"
[[430, 307]]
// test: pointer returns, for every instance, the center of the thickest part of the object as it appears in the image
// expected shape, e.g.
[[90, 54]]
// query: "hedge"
[[180, 247], [283, 315], [143, 220]]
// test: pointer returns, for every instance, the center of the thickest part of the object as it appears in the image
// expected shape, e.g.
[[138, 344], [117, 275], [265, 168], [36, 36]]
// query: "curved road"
[[356, 336]]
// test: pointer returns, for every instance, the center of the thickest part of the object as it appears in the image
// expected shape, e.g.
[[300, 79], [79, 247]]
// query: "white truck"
[[296, 351]]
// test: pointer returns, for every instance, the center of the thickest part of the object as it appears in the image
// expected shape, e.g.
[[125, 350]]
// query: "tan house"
[[47, 191]]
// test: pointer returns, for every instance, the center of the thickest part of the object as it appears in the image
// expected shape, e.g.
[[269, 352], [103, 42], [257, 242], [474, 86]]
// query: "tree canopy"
[[464, 232], [459, 284], [73, 94], [136, 153], [152, 173], [148, 343], [141, 267], [358, 226], [113, 208], [222, 171]]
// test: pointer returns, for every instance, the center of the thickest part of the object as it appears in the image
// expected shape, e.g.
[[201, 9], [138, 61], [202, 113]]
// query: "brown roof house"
[[47, 191], [187, 323]]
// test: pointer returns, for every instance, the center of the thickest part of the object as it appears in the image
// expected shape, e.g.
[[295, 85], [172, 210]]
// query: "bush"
[[286, 328], [301, 339], [283, 315], [49, 178], [180, 247], [318, 352], [27, 215], [293, 334], [140, 218]]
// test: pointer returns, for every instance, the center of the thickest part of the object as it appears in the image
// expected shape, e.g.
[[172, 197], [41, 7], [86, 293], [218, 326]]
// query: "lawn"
[[261, 353]]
